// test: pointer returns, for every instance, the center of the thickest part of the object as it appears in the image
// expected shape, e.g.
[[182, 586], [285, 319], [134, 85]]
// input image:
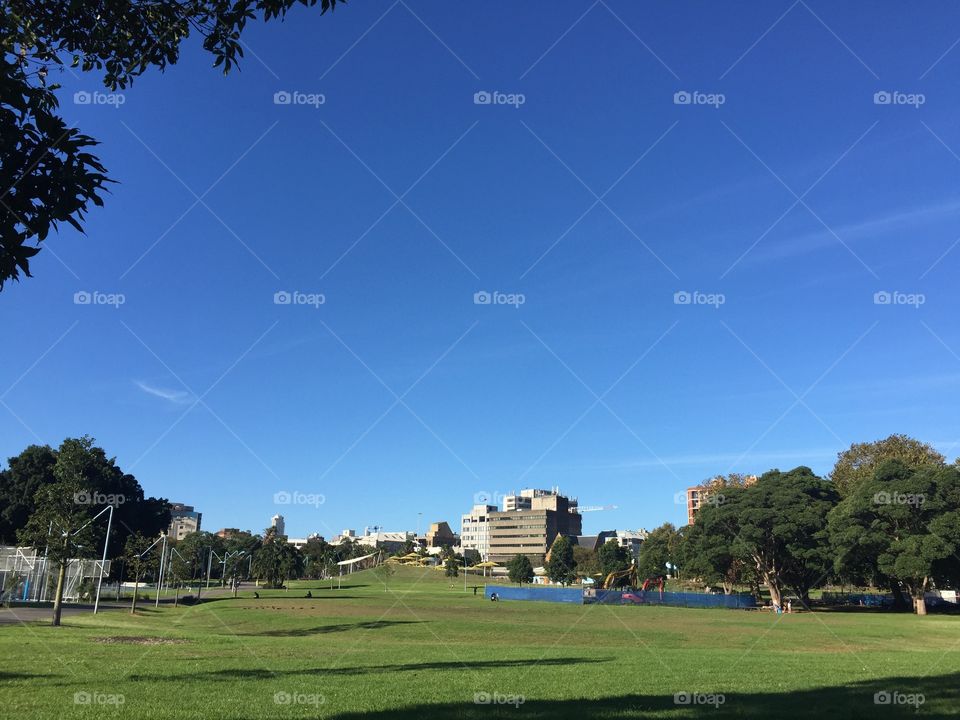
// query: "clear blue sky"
[[797, 200]]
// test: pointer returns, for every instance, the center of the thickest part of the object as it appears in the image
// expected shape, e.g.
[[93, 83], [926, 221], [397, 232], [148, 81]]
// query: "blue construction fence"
[[673, 599], [579, 596], [573, 596]]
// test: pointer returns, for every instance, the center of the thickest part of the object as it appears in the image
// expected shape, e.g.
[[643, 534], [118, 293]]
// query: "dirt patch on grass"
[[137, 640]]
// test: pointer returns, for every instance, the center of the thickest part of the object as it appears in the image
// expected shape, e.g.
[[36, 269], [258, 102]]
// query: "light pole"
[[103, 562], [163, 557], [96, 603]]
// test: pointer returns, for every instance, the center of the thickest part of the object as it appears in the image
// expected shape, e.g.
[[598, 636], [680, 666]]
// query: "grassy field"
[[423, 649]]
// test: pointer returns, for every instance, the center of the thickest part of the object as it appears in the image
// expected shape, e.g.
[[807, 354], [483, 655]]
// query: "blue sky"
[[781, 209]]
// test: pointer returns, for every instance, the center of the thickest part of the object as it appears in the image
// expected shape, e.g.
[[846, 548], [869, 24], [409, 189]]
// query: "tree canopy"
[[100, 482], [901, 525], [860, 461], [561, 566], [520, 570]]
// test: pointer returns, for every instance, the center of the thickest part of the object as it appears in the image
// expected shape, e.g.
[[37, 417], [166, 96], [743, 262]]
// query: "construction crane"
[[596, 508]]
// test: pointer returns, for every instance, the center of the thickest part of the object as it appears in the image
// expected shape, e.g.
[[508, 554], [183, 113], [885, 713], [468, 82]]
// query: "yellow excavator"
[[620, 579]]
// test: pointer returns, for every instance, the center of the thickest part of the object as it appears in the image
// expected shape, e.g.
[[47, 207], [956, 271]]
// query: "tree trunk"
[[176, 596], [136, 586], [58, 597], [899, 601], [919, 605], [774, 588]]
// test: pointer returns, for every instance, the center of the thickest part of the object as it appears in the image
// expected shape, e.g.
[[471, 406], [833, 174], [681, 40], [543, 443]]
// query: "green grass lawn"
[[423, 649]]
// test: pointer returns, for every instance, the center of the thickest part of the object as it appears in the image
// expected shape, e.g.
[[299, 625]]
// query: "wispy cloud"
[[749, 462], [867, 229], [178, 397]]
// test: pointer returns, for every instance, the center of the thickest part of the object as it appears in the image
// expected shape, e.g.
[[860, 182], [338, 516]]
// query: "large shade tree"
[[904, 524], [102, 482], [859, 463], [777, 528]]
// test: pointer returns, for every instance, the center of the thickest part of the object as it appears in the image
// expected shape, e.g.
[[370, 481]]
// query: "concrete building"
[[300, 543], [278, 524], [375, 538], [699, 495], [183, 521], [440, 535], [475, 529], [530, 529], [632, 540]]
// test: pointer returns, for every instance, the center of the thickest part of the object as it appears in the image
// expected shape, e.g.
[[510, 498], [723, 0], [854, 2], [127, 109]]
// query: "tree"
[[59, 524], [706, 551], [906, 521], [586, 561], [276, 561], [561, 566], [859, 463], [451, 567], [237, 550], [317, 557], [138, 562], [103, 483], [47, 174], [659, 549], [180, 569], [612, 557], [520, 570], [778, 529], [27, 473], [384, 571], [195, 548]]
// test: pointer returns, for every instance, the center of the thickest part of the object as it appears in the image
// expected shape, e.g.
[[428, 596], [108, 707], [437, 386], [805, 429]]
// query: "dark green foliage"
[[561, 566], [520, 570]]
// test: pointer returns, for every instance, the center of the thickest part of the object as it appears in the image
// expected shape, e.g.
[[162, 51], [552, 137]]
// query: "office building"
[[183, 521], [530, 529]]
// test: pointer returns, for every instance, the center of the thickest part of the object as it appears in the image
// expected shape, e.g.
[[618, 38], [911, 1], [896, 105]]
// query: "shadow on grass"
[[327, 629], [940, 698], [264, 674], [4, 676]]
